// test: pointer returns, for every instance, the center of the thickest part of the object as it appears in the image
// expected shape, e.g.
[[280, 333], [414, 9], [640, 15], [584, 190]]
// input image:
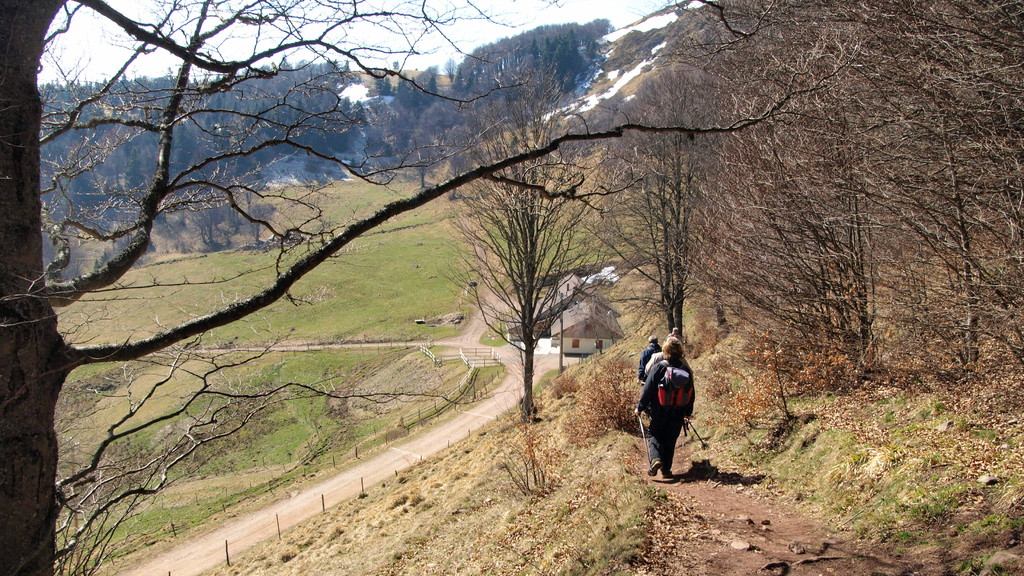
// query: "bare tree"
[[522, 244], [794, 234], [945, 164], [657, 225], [896, 189], [798, 246]]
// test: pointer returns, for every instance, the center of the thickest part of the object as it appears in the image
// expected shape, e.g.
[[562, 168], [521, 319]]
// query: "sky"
[[89, 49], [529, 14]]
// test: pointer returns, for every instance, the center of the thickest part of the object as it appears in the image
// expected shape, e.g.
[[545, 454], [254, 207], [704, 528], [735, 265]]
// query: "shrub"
[[564, 385], [605, 402], [780, 372], [530, 460]]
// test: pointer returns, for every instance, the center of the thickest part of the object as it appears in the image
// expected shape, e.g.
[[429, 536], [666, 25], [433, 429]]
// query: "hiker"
[[655, 358], [658, 357], [645, 357], [666, 422]]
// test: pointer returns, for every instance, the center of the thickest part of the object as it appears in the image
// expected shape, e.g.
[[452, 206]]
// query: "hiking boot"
[[667, 474], [655, 466]]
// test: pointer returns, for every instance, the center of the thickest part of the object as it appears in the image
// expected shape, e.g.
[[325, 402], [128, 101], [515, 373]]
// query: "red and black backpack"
[[676, 387]]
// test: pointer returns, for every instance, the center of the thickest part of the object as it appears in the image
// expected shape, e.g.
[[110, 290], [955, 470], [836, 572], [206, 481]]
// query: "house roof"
[[588, 319]]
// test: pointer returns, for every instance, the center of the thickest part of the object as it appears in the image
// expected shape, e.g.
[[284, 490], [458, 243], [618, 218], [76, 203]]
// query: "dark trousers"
[[664, 431]]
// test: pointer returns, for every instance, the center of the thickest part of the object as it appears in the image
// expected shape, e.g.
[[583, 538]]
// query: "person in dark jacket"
[[645, 356], [666, 422]]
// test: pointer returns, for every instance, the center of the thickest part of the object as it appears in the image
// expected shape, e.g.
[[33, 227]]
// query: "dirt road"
[[214, 547]]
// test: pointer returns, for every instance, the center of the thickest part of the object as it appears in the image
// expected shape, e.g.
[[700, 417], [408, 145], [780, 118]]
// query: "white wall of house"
[[584, 346]]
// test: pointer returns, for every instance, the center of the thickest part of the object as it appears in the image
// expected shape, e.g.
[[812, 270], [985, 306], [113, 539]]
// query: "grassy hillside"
[[464, 513], [878, 468], [375, 291], [881, 467], [289, 444]]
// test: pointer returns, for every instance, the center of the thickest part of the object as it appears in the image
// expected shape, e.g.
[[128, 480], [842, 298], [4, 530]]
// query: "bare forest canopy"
[[83, 169]]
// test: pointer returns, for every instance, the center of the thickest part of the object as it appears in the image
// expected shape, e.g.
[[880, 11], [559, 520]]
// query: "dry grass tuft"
[[564, 385]]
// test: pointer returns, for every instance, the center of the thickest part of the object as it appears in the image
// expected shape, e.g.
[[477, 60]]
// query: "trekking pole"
[[644, 436], [703, 444]]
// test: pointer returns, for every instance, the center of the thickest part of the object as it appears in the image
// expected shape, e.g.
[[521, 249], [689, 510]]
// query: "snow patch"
[[592, 101], [605, 276], [298, 170], [646, 25], [356, 93], [546, 346]]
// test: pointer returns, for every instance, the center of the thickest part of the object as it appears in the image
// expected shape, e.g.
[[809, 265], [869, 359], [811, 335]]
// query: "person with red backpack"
[[667, 397]]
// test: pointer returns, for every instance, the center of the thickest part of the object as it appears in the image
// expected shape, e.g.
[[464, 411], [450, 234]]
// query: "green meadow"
[[376, 289]]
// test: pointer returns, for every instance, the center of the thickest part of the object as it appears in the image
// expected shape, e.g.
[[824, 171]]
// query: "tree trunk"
[[33, 357], [677, 316], [528, 368]]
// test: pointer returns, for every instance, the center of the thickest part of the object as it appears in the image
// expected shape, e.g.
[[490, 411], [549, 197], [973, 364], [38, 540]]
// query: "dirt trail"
[[713, 523], [212, 548]]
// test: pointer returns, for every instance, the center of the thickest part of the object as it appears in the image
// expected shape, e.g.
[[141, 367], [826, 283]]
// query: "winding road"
[[212, 548]]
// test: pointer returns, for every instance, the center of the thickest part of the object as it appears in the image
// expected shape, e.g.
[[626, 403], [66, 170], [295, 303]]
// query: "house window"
[[575, 342]]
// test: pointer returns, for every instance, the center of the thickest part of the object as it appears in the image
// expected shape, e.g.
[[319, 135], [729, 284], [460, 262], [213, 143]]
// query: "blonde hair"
[[673, 349]]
